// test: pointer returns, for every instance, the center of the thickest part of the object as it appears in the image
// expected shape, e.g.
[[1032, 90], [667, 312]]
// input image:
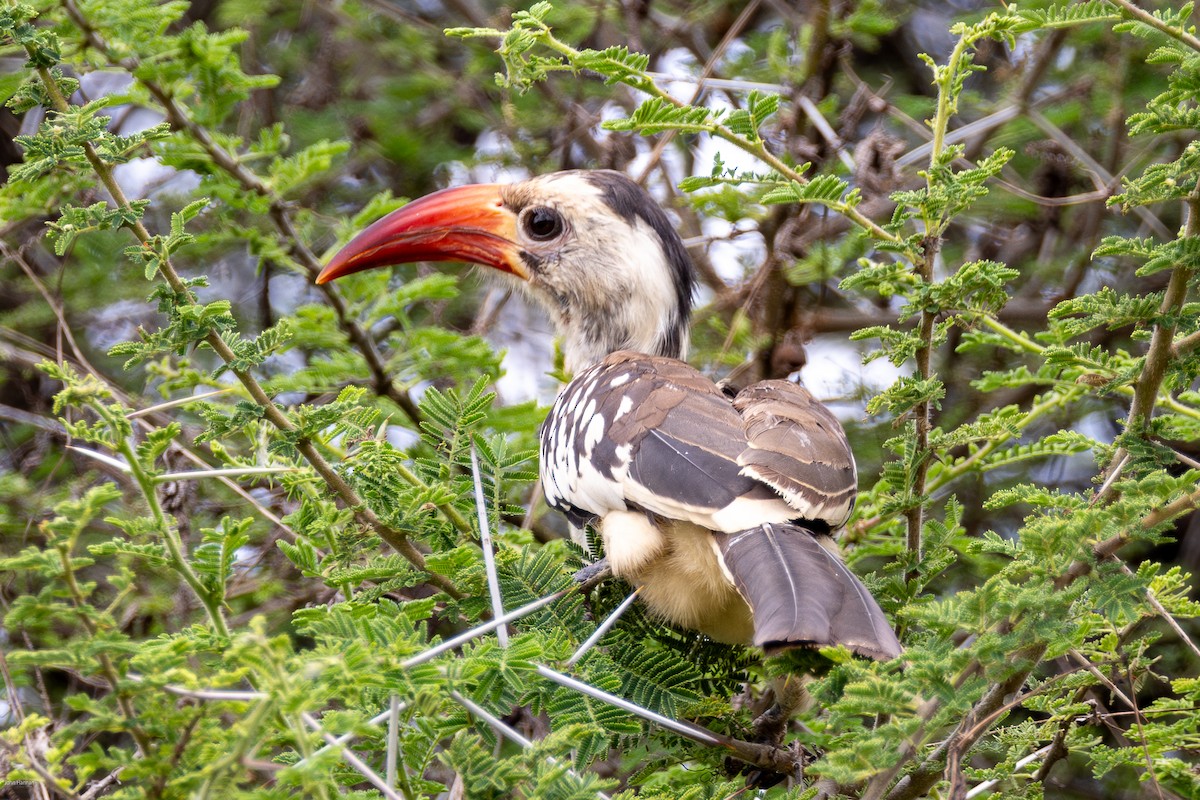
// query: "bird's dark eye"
[[541, 223]]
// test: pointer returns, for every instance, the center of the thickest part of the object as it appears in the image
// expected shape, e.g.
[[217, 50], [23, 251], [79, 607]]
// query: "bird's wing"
[[797, 447], [655, 434]]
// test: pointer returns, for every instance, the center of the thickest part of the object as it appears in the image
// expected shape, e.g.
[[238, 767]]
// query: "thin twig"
[[1167, 616], [49, 781], [918, 782], [38, 352], [1087, 664], [1146, 18], [710, 65], [16, 709], [1101, 177], [280, 211], [101, 786], [818, 121]]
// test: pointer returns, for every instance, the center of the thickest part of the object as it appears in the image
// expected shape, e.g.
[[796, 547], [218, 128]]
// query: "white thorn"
[[101, 457], [489, 556], [345, 737], [462, 638], [180, 401], [393, 739], [506, 730], [604, 628], [371, 775], [231, 472], [693, 732], [983, 787]]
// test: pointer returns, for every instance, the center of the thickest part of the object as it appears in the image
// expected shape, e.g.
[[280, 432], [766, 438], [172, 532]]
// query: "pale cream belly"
[[680, 576]]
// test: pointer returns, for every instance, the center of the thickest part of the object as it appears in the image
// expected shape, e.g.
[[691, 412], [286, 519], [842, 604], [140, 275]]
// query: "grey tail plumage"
[[802, 595]]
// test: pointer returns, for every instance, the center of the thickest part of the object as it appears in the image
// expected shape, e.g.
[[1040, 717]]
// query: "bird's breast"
[[678, 569]]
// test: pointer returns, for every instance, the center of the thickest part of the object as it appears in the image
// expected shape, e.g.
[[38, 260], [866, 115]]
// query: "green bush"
[[236, 534]]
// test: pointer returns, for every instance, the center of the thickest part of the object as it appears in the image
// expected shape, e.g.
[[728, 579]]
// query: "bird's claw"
[[593, 574], [770, 726]]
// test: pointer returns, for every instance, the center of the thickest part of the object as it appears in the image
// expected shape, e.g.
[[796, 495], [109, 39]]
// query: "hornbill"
[[719, 508]]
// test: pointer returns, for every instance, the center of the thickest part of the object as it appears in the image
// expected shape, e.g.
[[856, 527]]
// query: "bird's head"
[[591, 246]]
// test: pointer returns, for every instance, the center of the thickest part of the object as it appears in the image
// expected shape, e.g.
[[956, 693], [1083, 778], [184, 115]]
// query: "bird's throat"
[[589, 337]]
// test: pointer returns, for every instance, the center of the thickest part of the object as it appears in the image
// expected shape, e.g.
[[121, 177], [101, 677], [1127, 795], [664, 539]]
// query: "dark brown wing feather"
[[802, 595], [686, 439], [796, 446]]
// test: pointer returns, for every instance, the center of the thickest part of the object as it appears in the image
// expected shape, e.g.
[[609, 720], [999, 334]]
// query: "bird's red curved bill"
[[465, 223]]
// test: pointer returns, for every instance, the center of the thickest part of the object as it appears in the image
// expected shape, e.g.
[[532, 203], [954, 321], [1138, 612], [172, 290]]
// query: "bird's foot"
[[593, 574], [770, 726], [769, 729], [785, 763]]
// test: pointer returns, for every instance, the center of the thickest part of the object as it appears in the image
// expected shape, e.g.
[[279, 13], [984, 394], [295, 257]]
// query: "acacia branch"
[[49, 780], [280, 213], [107, 668], [914, 514], [643, 82], [1146, 18], [1159, 354], [362, 513], [168, 532], [918, 782]]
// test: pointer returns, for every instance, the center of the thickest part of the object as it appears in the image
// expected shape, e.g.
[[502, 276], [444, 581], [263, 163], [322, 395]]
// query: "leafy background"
[[238, 509]]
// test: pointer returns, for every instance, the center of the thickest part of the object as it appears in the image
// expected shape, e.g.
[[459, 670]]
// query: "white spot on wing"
[[595, 432], [625, 407]]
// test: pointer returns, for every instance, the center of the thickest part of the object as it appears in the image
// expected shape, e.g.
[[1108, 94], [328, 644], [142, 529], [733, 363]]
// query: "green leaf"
[[658, 114]]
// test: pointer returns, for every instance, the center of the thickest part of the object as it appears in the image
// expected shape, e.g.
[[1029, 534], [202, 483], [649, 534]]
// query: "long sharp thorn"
[[393, 740], [101, 457], [504, 729], [462, 638], [604, 628], [346, 737], [693, 732], [354, 761], [489, 555], [141, 412]]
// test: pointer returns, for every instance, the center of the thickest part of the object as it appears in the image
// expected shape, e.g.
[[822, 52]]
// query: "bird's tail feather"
[[802, 595]]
